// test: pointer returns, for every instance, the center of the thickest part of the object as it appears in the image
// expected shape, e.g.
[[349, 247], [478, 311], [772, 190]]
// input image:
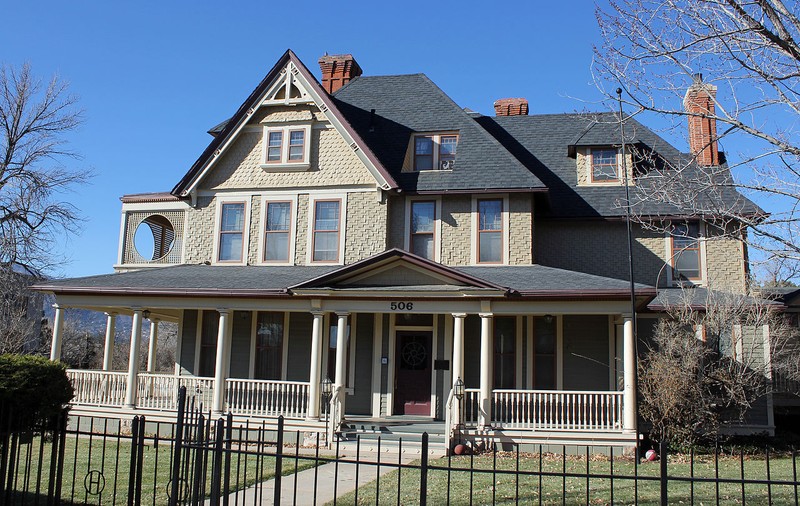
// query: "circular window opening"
[[154, 237]]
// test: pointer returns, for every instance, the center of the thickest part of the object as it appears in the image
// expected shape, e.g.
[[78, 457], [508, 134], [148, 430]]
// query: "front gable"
[[288, 95], [398, 270]]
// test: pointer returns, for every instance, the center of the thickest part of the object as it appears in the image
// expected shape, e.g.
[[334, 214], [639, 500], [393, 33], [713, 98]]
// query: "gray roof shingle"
[[253, 280], [541, 142], [406, 104]]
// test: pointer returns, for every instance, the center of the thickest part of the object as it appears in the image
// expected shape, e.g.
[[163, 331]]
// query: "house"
[[369, 230]]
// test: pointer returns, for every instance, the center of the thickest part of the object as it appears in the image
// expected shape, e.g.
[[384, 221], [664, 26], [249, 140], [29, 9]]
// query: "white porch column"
[[151, 351], [220, 369], [487, 361], [133, 360], [108, 349], [629, 375], [58, 333], [315, 366], [458, 346], [341, 360]]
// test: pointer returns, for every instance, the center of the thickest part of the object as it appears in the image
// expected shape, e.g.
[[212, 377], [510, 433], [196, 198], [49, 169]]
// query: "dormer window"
[[435, 151], [605, 165], [287, 147]]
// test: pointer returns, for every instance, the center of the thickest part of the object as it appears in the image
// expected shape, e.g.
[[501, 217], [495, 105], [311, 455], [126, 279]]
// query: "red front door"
[[412, 392]]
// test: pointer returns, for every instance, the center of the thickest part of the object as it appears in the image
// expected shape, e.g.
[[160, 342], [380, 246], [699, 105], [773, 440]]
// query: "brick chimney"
[[338, 70], [511, 107], [699, 103]]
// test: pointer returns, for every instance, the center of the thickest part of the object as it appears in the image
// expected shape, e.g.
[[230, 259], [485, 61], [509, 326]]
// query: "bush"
[[32, 390]]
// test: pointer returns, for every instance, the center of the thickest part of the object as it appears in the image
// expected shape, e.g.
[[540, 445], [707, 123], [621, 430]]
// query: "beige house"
[[370, 231]]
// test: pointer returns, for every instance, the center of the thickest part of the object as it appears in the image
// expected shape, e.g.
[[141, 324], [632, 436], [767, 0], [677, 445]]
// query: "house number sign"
[[401, 306]]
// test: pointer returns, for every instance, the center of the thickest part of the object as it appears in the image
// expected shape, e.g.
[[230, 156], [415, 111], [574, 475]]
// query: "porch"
[[390, 335]]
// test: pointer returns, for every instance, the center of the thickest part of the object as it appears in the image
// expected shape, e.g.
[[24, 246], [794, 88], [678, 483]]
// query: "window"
[[490, 231], [423, 228], [325, 234], [544, 353], [605, 167], [269, 346], [278, 231], [505, 342], [208, 344], [685, 254], [231, 232], [287, 146], [435, 151]]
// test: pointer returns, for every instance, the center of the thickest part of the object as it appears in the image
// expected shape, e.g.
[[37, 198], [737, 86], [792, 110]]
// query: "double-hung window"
[[286, 147], [326, 231], [685, 251], [435, 151], [231, 232], [422, 224], [605, 167], [490, 231], [277, 233]]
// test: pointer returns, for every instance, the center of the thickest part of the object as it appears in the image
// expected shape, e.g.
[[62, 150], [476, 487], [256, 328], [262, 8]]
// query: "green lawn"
[[81, 457], [502, 487]]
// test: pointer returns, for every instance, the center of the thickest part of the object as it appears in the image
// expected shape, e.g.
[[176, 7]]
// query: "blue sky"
[[152, 77]]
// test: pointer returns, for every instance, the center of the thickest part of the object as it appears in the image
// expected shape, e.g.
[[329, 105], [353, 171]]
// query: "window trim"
[[436, 151], [312, 208], [701, 249], [475, 232], [221, 202], [284, 163], [590, 166], [262, 242], [437, 227]]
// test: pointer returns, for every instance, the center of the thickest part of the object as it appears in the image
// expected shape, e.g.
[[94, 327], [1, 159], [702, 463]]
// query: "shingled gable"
[[388, 110], [224, 137], [367, 273]]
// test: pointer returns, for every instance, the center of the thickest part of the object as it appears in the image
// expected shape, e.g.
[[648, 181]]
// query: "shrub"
[[32, 390]]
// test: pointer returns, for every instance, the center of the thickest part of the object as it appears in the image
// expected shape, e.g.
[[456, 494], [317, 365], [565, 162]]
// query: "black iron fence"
[[200, 460]]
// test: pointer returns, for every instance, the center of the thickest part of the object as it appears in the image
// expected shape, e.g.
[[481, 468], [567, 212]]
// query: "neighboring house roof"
[[408, 104], [534, 281], [543, 142], [232, 126]]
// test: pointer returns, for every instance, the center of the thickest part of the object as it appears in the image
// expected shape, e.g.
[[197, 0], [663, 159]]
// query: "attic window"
[[605, 165], [287, 148], [435, 151]]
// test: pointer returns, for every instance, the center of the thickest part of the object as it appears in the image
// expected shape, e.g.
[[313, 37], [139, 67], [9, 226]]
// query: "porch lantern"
[[327, 388], [458, 389]]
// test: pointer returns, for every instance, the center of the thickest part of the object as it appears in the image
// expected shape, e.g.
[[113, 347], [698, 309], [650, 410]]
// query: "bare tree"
[[34, 122], [749, 52], [705, 368]]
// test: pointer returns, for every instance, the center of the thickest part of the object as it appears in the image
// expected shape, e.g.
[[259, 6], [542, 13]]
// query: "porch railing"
[[549, 409], [160, 391], [267, 398], [98, 388]]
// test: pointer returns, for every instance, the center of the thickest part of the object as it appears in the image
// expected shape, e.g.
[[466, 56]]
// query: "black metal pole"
[[630, 255]]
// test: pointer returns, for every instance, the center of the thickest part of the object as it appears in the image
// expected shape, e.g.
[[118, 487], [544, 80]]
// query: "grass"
[[457, 484], [84, 454]]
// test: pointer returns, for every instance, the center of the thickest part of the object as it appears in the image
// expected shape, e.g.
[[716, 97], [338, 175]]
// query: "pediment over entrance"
[[397, 269]]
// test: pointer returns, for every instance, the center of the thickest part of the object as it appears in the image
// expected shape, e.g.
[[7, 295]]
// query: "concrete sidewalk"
[[326, 477]]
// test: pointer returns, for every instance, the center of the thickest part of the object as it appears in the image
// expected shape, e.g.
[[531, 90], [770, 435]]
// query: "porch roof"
[[533, 281]]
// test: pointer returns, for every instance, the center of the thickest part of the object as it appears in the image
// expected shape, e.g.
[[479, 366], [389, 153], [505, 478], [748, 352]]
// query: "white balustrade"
[[267, 398], [98, 388], [550, 409]]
